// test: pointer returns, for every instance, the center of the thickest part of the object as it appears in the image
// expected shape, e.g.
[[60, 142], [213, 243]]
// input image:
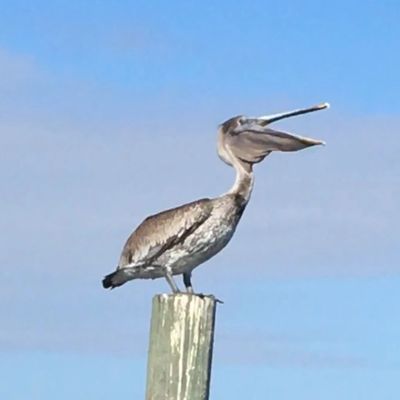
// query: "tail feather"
[[112, 280]]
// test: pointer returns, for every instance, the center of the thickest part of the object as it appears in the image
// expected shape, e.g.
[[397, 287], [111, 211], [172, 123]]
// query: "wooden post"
[[181, 341]]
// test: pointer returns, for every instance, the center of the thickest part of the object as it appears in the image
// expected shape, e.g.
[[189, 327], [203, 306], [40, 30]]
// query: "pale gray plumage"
[[178, 240]]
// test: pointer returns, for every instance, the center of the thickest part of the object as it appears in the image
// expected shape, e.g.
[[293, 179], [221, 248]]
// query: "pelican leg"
[[187, 281], [171, 282]]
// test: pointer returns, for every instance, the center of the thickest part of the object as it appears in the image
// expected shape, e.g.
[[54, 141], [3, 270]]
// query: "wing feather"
[[162, 231]]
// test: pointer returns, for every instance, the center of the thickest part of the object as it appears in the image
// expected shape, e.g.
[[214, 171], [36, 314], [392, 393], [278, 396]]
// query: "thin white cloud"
[[77, 181], [17, 70], [310, 213]]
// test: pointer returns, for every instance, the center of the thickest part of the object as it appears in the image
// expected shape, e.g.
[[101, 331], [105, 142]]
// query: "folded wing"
[[162, 231]]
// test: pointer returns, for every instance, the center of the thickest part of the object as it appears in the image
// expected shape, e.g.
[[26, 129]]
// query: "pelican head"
[[248, 140]]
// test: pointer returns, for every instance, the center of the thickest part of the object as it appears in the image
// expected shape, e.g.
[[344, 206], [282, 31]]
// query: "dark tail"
[[112, 280]]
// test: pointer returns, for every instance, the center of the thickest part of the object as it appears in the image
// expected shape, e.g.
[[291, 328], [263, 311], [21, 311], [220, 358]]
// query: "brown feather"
[[162, 231]]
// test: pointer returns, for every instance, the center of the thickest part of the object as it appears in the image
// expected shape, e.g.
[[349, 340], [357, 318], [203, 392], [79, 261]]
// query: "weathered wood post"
[[181, 342]]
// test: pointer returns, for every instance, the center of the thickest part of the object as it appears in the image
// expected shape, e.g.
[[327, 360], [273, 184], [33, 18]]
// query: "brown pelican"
[[176, 241]]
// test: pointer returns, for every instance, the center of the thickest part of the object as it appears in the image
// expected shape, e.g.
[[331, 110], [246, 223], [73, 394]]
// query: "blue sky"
[[108, 113]]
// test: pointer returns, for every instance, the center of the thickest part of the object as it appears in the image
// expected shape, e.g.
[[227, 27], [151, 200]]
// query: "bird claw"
[[211, 296]]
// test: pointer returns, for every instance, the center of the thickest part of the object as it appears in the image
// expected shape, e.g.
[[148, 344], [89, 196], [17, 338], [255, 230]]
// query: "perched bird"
[[176, 241]]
